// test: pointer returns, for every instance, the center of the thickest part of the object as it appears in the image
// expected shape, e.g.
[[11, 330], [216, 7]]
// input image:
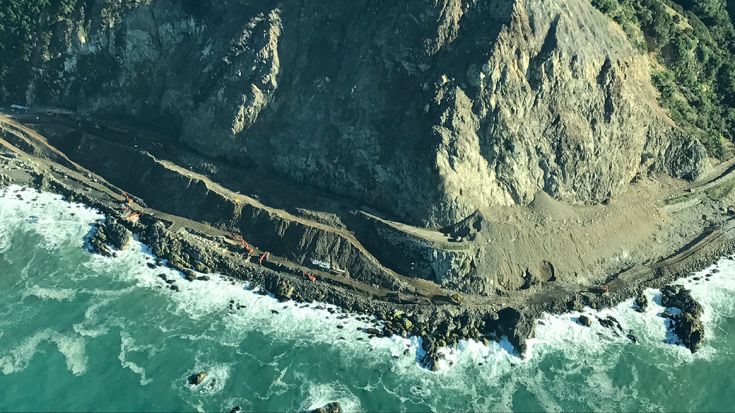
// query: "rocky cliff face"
[[427, 110]]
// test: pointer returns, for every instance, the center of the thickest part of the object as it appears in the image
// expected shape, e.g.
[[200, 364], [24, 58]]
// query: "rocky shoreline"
[[438, 326], [441, 321]]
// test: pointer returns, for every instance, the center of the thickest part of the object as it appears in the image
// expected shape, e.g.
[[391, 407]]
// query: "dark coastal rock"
[[180, 253], [612, 323], [686, 324], [641, 303], [517, 327], [584, 320], [108, 235], [197, 378], [283, 290], [117, 235], [431, 358], [333, 407], [373, 331], [235, 409], [189, 275]]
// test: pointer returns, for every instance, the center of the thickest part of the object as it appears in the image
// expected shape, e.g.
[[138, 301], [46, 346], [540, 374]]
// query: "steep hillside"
[[426, 110], [694, 42]]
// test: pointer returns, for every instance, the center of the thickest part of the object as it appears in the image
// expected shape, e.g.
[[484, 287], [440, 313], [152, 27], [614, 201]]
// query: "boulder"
[[584, 320], [190, 275], [612, 323], [332, 407], [430, 360], [109, 235], [641, 303], [197, 378], [284, 290]]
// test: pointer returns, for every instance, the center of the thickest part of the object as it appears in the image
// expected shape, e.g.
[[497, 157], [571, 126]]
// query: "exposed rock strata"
[[453, 107]]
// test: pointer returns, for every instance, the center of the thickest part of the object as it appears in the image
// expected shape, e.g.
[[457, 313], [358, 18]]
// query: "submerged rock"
[[431, 358], [197, 378], [686, 324], [333, 407]]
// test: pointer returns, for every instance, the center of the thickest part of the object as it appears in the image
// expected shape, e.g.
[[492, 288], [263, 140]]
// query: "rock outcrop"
[[517, 327], [641, 303], [197, 378], [686, 321], [107, 235], [454, 107], [333, 407]]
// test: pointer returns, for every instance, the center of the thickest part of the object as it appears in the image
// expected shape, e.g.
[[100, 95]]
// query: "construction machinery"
[[310, 277], [133, 216], [247, 247], [263, 257]]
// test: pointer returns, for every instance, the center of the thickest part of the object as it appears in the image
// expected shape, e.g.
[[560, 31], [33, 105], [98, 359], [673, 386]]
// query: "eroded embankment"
[[199, 215], [166, 187]]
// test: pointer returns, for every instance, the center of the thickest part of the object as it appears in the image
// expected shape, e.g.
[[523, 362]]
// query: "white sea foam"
[[72, 347], [318, 395], [217, 376], [127, 346], [588, 352], [56, 294], [45, 214], [17, 358]]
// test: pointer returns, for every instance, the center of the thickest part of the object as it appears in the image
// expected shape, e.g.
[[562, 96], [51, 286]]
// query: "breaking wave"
[[237, 334]]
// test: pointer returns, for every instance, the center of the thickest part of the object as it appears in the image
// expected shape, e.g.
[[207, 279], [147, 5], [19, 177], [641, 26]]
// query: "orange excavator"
[[129, 214], [244, 244], [310, 277], [128, 198], [264, 257], [133, 216]]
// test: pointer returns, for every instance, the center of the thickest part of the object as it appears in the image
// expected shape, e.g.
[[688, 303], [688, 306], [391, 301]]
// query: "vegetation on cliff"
[[24, 26], [36, 33], [694, 42]]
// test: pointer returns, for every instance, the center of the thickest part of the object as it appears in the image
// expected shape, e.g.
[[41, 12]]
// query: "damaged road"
[[206, 224]]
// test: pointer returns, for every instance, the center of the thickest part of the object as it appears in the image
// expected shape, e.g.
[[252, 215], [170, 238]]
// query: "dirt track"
[[701, 249]]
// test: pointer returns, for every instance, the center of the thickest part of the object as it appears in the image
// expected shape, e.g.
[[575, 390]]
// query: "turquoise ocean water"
[[81, 332]]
